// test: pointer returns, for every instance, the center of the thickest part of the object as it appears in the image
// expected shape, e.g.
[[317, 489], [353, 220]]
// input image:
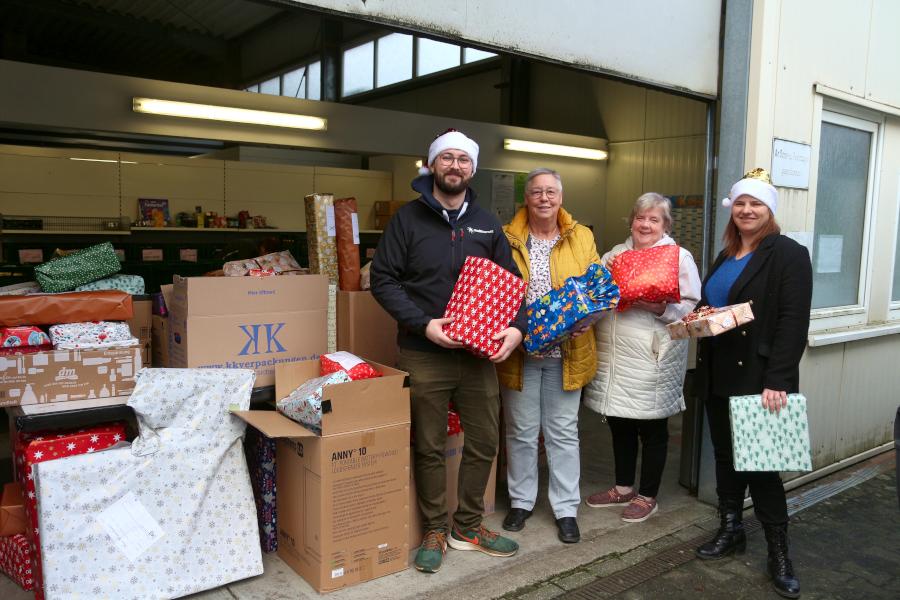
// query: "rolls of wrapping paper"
[[133, 284], [579, 302], [320, 236], [72, 307], [346, 224], [84, 266]]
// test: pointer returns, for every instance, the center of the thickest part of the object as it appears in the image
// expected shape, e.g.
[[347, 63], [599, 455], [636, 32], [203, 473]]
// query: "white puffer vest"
[[640, 372]]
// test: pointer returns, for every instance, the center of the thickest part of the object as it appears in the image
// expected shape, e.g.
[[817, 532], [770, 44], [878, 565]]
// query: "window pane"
[[294, 83], [253, 88], [272, 86], [895, 294], [394, 58], [840, 215], [436, 56], [359, 69], [315, 81], [471, 55]]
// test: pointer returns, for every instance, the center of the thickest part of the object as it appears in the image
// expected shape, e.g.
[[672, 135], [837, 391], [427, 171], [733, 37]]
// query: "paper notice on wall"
[[329, 220], [829, 252], [503, 196], [130, 527]]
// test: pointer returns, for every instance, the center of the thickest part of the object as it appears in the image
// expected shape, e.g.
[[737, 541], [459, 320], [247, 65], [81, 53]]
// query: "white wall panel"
[[883, 66], [819, 42], [600, 35]]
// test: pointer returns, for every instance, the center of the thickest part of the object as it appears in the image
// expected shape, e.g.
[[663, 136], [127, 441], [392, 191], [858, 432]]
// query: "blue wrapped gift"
[[579, 302]]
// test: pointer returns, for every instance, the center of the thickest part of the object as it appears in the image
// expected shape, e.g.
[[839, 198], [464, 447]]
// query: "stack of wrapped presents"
[[262, 413]]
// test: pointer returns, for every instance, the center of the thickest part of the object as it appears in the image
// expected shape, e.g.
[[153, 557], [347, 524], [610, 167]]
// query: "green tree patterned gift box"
[[770, 441]]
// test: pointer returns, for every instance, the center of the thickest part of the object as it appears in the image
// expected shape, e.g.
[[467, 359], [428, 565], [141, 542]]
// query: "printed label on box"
[[31, 255], [130, 527], [188, 254], [329, 220], [354, 219], [335, 573], [152, 254]]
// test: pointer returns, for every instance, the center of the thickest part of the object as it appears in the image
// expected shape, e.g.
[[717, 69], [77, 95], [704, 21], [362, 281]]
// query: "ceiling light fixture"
[[103, 160], [554, 149], [212, 112]]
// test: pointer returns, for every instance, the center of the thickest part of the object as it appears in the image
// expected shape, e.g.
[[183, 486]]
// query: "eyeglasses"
[[463, 161], [551, 193]]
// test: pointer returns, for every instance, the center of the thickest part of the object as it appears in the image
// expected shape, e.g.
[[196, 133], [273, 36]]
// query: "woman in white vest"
[[640, 373]]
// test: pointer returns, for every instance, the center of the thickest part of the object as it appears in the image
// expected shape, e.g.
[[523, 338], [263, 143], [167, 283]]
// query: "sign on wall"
[[790, 164]]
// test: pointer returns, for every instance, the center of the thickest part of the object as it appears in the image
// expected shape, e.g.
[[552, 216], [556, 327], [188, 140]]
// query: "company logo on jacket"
[[473, 230]]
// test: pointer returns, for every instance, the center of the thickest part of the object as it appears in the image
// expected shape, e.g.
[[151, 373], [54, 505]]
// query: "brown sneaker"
[[639, 509], [609, 498]]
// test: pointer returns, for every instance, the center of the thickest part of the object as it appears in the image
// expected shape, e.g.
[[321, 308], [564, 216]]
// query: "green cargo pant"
[[436, 379]]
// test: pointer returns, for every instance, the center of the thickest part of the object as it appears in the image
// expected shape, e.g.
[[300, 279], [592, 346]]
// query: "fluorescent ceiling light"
[[554, 149], [227, 113], [104, 160]]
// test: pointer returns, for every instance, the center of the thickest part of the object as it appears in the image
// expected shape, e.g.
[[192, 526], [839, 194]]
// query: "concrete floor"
[[540, 557]]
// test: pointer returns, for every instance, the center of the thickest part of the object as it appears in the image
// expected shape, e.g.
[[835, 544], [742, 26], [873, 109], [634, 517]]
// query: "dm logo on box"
[[262, 339]]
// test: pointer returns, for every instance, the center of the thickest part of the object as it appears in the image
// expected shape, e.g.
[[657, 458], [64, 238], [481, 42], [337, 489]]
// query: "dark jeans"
[[654, 438], [766, 489], [436, 379]]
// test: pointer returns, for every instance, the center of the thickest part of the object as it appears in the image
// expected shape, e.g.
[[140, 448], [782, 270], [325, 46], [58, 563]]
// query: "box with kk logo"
[[247, 322]]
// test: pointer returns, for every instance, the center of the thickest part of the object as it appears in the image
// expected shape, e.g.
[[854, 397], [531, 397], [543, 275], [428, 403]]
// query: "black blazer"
[[766, 352]]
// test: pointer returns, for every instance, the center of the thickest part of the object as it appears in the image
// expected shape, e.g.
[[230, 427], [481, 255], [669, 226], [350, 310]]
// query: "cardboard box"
[[140, 325], [453, 455], [366, 329], [12, 510], [159, 345], [62, 375], [388, 207], [381, 221], [343, 510], [247, 322]]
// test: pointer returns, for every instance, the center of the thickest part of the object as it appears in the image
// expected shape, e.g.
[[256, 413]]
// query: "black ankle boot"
[[779, 565], [730, 538]]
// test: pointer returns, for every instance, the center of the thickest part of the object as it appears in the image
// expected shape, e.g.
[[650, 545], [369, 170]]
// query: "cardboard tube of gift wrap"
[[346, 224], [72, 307], [320, 236]]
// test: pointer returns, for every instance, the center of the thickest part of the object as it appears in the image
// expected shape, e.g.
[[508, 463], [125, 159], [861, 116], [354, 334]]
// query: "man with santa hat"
[[416, 265]]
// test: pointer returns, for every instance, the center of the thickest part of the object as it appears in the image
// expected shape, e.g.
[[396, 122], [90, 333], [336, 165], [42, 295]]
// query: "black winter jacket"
[[419, 258], [766, 352]]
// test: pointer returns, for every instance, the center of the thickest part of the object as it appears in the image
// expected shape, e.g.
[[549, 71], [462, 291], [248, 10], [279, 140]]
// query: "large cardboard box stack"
[[366, 329], [385, 209], [343, 497], [65, 375], [247, 322]]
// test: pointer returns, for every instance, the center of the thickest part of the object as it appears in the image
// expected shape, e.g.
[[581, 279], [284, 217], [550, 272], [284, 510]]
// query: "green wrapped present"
[[66, 273], [130, 284], [770, 441]]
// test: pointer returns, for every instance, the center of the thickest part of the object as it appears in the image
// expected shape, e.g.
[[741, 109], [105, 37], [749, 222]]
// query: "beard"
[[440, 180]]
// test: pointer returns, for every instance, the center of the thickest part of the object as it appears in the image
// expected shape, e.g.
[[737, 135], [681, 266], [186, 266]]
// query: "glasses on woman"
[[551, 193], [463, 161]]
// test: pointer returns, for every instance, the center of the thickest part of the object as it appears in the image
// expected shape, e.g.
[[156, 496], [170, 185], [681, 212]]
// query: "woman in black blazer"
[[774, 272]]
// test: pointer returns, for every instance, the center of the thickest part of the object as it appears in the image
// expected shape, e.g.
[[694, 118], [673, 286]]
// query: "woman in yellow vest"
[[544, 392]]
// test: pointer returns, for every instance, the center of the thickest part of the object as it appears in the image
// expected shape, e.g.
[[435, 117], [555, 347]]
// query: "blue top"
[[719, 283]]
